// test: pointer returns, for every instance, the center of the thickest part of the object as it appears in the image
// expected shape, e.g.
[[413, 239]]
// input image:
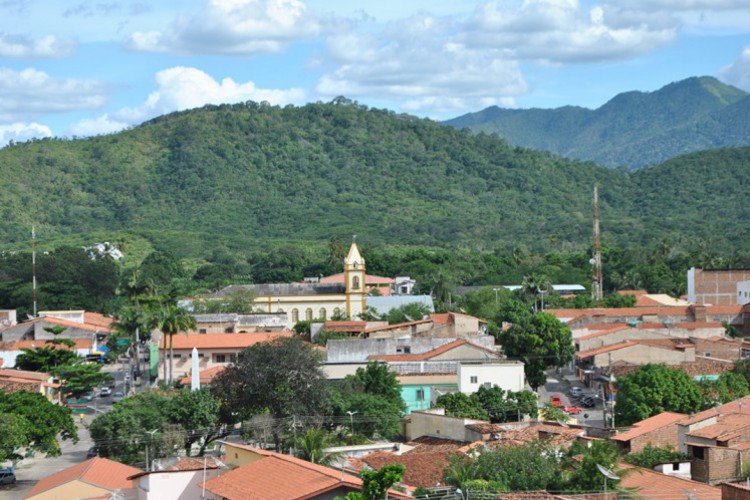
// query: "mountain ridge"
[[632, 129]]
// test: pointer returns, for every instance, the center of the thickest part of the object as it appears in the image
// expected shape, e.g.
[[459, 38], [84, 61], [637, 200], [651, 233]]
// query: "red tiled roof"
[[726, 428], [652, 484], [612, 328], [204, 376], [224, 340], [69, 324], [430, 354], [25, 375], [736, 406], [92, 318], [345, 326], [397, 326], [97, 471], [650, 424], [17, 345], [420, 469], [604, 349]]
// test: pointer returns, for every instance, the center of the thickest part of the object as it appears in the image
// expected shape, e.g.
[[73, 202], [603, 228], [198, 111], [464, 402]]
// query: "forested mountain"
[[632, 129], [248, 175]]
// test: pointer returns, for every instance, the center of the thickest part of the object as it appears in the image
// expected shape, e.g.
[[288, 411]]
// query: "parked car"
[[555, 400], [7, 476], [105, 392], [576, 392], [573, 410], [588, 402], [92, 453], [118, 396]]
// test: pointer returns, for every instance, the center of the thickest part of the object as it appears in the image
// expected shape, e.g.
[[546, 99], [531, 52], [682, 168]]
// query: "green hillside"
[[632, 129], [250, 176]]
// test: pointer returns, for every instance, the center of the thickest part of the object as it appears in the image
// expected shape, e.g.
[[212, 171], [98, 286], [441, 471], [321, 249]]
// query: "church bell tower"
[[354, 277]]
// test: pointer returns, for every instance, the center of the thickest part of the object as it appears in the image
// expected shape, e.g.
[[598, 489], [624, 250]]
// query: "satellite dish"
[[607, 473]]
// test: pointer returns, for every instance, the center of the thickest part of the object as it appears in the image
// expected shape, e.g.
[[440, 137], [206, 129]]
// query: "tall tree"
[[283, 377], [540, 341], [653, 389]]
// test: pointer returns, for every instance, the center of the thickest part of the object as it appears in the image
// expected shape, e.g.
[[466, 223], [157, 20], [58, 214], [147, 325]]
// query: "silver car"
[[7, 477]]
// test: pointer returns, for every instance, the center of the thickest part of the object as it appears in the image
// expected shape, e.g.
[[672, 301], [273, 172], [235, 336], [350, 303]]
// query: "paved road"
[[31, 470], [560, 384]]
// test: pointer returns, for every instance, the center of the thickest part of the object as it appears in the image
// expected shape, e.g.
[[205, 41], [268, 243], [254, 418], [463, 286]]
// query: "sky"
[[83, 68]]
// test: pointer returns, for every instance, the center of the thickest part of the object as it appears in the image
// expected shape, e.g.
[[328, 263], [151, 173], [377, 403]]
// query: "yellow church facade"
[[313, 300]]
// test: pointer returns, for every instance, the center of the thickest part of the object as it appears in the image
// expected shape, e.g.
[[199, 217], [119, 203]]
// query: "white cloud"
[[19, 132], [96, 126], [562, 31], [30, 92], [45, 47], [419, 63], [243, 27], [738, 73], [183, 88]]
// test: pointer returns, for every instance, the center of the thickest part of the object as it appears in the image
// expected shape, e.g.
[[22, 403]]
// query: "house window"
[[474, 379], [308, 314], [405, 349], [232, 358], [322, 313], [220, 358], [675, 466], [177, 356], [697, 452], [228, 329], [202, 330], [420, 394], [295, 315], [487, 385]]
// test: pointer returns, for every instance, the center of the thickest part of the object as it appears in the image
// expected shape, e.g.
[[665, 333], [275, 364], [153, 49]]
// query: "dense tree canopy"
[[653, 389], [540, 341]]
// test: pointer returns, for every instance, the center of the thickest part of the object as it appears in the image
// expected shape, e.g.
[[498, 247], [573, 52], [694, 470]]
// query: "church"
[[313, 300]]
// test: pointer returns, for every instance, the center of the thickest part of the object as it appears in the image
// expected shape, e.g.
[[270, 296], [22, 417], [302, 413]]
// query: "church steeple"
[[354, 276]]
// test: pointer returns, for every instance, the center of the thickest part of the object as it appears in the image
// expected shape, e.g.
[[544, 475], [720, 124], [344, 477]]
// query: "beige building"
[[308, 301]]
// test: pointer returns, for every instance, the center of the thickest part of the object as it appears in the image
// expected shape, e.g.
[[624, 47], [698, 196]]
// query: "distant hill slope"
[[244, 175], [633, 129]]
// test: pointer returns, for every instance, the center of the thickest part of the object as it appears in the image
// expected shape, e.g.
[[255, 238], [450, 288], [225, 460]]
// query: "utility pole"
[[33, 265], [597, 285]]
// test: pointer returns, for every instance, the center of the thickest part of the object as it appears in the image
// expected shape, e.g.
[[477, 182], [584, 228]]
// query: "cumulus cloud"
[[181, 88], [243, 27], [19, 132], [31, 92], [738, 73], [562, 31], [45, 47], [419, 62]]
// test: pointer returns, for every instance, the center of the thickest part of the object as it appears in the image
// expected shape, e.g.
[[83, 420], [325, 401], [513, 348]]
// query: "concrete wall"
[[616, 338], [509, 376], [679, 469], [175, 485], [643, 354], [434, 423], [357, 350]]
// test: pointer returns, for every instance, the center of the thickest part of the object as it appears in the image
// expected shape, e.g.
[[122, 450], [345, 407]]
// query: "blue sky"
[[74, 68]]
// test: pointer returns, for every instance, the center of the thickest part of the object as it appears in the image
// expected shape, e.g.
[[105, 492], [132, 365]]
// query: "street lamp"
[[351, 419], [151, 437]]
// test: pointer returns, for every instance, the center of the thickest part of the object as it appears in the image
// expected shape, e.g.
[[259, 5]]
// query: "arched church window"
[[322, 313], [295, 315], [308, 314], [355, 283]]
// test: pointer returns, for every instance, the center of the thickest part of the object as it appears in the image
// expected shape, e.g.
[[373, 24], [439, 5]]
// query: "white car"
[[105, 392]]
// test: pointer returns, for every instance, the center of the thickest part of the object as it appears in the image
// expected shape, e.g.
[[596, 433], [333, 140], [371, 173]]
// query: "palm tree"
[[311, 446], [535, 284], [171, 319]]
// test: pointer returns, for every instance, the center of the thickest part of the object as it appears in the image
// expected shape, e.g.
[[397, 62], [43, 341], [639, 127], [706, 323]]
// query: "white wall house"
[[506, 374]]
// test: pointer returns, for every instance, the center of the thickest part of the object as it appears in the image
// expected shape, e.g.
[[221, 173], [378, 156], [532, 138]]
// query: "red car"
[[573, 410], [555, 401]]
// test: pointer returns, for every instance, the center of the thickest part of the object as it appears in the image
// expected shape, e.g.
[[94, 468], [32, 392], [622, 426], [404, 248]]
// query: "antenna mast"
[[33, 265], [597, 289]]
